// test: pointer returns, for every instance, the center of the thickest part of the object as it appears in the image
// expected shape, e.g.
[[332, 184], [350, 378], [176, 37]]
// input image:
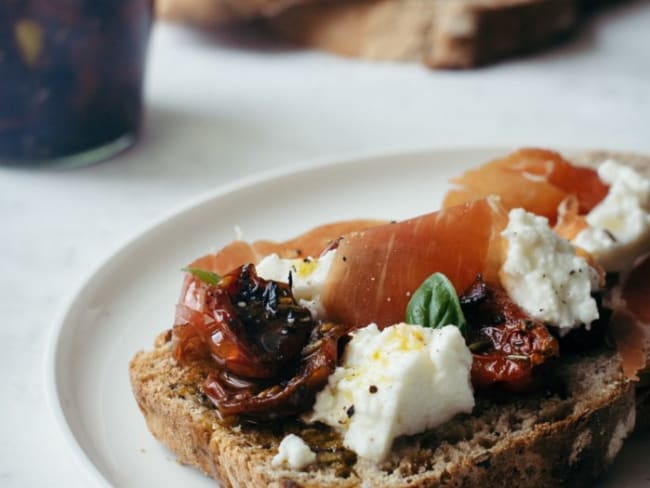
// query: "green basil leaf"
[[435, 304], [206, 276]]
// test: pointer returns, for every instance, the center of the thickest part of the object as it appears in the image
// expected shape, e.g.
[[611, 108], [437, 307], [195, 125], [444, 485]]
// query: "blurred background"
[[238, 88]]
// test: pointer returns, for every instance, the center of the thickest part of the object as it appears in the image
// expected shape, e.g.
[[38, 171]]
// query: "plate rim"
[[57, 326]]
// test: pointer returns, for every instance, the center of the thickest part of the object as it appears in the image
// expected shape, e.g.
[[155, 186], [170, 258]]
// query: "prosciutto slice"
[[376, 271]]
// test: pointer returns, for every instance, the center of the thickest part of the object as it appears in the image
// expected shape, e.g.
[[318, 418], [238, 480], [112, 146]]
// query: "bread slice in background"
[[544, 440], [439, 33]]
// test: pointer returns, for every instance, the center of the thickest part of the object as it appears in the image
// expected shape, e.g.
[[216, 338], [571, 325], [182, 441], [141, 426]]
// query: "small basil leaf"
[[206, 276], [435, 304]]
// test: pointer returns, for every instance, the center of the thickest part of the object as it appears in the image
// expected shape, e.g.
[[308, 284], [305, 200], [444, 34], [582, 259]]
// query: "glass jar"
[[71, 74]]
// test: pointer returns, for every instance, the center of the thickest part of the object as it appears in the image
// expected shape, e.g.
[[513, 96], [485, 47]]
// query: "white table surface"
[[222, 108]]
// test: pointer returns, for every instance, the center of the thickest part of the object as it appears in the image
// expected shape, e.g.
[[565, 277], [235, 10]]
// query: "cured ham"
[[311, 243], [569, 222], [537, 180], [375, 271], [238, 253]]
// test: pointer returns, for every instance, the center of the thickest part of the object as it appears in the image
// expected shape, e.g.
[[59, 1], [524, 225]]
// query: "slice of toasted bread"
[[541, 440], [440, 33]]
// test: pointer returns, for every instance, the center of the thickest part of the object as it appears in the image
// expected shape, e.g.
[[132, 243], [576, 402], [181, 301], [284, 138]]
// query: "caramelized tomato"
[[251, 327], [292, 392], [507, 343], [269, 357]]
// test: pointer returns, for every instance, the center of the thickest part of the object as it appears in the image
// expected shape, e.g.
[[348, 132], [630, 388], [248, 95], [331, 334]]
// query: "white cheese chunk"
[[398, 381], [544, 276], [619, 229], [308, 277], [294, 452]]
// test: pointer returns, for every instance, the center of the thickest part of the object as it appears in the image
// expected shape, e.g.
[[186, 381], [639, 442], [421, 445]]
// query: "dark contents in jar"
[[70, 75]]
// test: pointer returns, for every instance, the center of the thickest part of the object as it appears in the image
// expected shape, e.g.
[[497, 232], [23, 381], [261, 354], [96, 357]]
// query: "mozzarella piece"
[[401, 380], [308, 277], [544, 276], [619, 229], [294, 452]]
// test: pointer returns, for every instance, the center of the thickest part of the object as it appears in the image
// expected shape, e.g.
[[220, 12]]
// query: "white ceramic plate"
[[130, 298]]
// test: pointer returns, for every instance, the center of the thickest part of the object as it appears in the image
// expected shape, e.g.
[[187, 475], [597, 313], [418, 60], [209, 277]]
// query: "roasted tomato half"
[[268, 356], [507, 343], [250, 327], [291, 393]]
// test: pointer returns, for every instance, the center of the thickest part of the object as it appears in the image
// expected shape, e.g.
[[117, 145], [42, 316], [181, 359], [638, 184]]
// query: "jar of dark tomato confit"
[[71, 74]]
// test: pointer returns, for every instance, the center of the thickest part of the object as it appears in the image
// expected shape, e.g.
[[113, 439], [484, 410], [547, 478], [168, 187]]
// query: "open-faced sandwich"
[[495, 341]]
